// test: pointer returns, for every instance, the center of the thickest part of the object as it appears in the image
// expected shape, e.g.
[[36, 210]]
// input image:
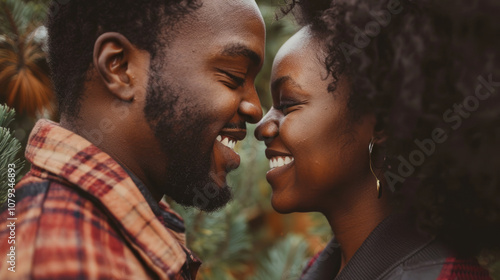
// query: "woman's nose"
[[268, 128]]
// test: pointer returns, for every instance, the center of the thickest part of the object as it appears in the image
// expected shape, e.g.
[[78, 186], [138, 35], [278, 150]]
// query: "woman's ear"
[[379, 135], [115, 60]]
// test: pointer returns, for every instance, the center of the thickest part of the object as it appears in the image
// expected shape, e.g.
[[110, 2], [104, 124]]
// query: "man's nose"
[[250, 107]]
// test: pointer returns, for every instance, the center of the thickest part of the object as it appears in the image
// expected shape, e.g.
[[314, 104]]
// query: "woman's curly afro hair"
[[430, 71]]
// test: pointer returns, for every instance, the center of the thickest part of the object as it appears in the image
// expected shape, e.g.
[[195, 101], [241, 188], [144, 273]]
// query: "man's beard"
[[179, 127]]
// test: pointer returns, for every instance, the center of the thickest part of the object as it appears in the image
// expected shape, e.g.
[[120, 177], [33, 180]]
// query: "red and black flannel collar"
[[60, 152]]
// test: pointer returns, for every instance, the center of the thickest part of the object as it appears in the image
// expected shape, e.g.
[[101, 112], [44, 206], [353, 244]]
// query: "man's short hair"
[[75, 25]]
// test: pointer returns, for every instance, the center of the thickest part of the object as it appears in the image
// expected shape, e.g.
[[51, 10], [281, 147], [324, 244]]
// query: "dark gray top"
[[394, 250]]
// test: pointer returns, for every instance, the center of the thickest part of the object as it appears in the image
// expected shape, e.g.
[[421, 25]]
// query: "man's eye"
[[236, 81]]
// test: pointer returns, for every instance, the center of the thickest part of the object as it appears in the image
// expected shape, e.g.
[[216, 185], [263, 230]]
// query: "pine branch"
[[11, 24], [221, 240], [284, 261], [9, 148]]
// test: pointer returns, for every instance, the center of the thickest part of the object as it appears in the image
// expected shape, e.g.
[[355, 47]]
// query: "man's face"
[[200, 94]]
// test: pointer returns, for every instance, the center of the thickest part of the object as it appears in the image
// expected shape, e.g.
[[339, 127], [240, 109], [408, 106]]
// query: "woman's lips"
[[278, 158], [276, 173], [279, 162]]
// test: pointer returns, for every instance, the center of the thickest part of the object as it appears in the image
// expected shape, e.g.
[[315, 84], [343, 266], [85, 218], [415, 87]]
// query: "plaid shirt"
[[80, 215]]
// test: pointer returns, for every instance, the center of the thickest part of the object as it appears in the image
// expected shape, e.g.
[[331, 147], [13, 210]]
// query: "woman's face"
[[318, 155]]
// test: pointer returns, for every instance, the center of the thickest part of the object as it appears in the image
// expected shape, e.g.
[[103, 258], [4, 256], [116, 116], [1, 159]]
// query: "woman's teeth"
[[230, 143], [280, 161]]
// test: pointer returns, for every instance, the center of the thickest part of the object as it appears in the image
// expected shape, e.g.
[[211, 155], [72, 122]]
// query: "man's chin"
[[210, 203], [207, 196]]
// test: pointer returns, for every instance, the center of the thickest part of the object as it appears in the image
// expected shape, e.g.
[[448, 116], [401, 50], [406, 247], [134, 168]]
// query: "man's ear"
[[113, 58]]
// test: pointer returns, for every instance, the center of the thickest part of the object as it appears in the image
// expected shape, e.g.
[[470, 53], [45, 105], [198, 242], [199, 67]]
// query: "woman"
[[385, 120]]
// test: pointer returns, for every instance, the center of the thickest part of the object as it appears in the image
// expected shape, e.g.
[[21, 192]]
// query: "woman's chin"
[[283, 206]]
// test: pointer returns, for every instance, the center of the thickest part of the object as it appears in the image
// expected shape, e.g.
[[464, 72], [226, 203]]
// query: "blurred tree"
[[24, 73]]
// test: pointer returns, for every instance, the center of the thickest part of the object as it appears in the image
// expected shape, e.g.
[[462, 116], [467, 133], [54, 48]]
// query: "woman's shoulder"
[[395, 250], [435, 261]]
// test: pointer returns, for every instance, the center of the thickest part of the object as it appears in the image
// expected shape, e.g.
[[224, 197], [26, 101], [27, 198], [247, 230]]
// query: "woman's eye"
[[287, 108]]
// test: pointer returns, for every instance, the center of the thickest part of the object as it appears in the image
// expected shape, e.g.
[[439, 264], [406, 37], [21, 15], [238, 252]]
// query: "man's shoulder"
[[24, 203], [58, 228], [45, 209], [53, 205], [37, 196]]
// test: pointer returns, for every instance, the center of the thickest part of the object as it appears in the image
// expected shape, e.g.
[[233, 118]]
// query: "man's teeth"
[[226, 142], [279, 161]]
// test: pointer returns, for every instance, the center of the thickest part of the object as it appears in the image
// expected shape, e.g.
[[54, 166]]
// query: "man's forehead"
[[229, 28], [218, 7], [227, 12]]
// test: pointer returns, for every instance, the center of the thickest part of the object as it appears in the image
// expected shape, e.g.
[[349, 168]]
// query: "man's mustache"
[[239, 125]]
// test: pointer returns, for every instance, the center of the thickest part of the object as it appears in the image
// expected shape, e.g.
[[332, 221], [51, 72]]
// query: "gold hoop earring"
[[370, 148]]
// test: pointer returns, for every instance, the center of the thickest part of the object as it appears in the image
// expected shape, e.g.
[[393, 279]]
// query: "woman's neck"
[[353, 220]]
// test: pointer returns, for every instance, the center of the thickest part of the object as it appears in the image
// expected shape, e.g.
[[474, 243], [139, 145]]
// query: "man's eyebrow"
[[242, 50]]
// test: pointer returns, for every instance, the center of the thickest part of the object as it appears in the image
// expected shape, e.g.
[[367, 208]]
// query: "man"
[[153, 96]]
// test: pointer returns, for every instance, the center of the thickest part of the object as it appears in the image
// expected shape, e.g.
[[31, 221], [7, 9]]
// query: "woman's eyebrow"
[[283, 79]]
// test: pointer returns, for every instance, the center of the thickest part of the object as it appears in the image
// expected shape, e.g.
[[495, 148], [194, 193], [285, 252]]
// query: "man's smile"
[[226, 141], [231, 134]]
